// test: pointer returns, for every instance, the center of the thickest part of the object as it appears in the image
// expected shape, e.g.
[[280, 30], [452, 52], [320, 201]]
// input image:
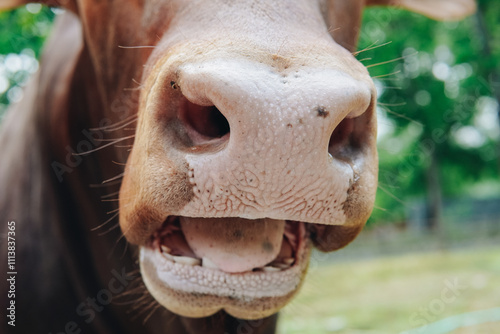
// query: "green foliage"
[[24, 29], [436, 101], [22, 33]]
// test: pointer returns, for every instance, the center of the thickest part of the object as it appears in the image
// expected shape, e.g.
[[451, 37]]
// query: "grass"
[[395, 294]]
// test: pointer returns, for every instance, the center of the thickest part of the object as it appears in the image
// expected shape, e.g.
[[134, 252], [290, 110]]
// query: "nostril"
[[203, 122], [340, 139], [352, 134]]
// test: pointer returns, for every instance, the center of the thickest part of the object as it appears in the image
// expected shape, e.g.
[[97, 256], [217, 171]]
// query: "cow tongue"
[[234, 244]]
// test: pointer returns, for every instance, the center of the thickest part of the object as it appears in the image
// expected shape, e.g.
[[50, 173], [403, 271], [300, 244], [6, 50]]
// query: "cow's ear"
[[442, 10]]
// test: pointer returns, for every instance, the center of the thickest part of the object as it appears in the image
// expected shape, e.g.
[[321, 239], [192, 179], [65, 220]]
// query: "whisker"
[[125, 232], [116, 199], [146, 309], [112, 211], [371, 47], [379, 208], [139, 86], [110, 195], [121, 125], [110, 126], [100, 185], [115, 245], [105, 145], [109, 229], [106, 222], [124, 251], [137, 47], [391, 104], [107, 140], [135, 290], [401, 116], [119, 163], [154, 309], [386, 75], [136, 287], [144, 299], [330, 30], [122, 236], [110, 200], [386, 79], [390, 61], [355, 53], [279, 49], [138, 294], [391, 195], [139, 309], [365, 59], [119, 176]]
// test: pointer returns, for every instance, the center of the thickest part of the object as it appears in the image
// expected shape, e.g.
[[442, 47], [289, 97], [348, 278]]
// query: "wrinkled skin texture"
[[228, 112]]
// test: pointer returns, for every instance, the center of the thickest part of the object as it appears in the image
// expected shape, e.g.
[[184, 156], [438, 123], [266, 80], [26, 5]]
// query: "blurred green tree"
[[22, 33], [438, 106]]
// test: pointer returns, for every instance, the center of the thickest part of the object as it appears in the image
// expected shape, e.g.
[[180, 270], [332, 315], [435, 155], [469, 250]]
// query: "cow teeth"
[[271, 269], [283, 263], [207, 263], [165, 249], [168, 256], [190, 261]]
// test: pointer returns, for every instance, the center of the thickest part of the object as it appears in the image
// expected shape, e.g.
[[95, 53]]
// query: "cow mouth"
[[172, 266]]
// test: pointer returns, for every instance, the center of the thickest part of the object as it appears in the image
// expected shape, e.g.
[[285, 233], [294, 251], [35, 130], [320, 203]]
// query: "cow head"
[[255, 139]]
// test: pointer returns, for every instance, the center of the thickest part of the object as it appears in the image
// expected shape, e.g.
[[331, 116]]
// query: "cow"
[[228, 138]]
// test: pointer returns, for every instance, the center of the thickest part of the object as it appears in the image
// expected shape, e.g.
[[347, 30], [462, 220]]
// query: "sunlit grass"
[[391, 295]]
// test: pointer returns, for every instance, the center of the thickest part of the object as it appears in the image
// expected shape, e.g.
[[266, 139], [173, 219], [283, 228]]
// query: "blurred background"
[[429, 259]]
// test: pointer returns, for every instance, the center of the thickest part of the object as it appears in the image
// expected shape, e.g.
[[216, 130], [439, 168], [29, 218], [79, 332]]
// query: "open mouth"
[[185, 245], [182, 257]]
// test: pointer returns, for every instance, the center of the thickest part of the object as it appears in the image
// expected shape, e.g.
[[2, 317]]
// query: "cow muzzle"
[[236, 167]]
